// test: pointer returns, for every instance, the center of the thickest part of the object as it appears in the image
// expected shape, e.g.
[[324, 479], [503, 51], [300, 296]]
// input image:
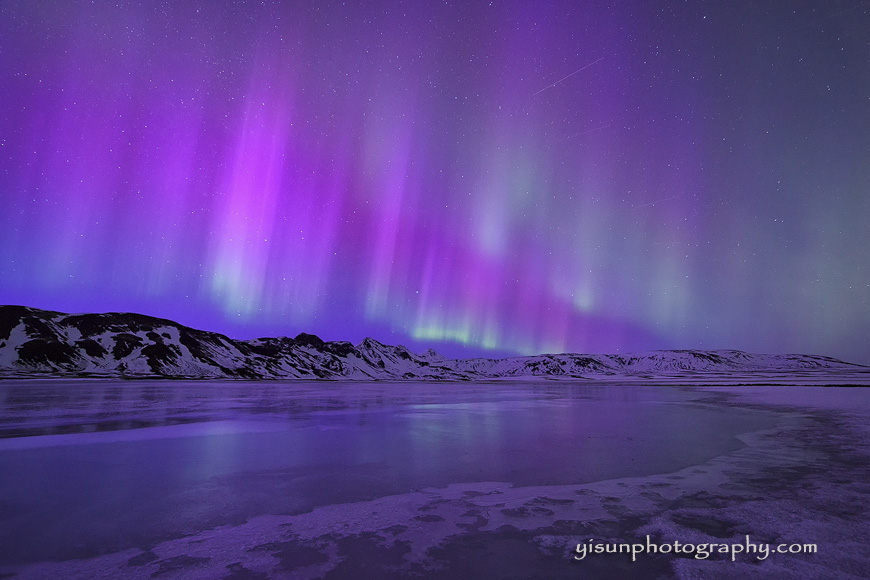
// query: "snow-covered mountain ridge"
[[36, 342]]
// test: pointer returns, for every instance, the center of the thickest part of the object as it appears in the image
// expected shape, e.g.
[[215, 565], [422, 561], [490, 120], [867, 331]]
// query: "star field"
[[481, 177]]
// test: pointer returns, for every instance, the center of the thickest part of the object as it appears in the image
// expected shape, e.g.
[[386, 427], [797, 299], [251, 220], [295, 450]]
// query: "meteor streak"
[[568, 76]]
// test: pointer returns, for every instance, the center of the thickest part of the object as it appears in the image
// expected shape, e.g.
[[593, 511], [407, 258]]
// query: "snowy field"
[[258, 480]]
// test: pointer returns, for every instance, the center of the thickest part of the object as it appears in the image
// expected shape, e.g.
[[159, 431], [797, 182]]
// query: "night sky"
[[481, 177]]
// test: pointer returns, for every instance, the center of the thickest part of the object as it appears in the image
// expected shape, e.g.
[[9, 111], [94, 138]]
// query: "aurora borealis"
[[474, 176]]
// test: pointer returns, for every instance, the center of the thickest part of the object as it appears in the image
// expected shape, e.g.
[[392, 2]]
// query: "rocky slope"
[[40, 342]]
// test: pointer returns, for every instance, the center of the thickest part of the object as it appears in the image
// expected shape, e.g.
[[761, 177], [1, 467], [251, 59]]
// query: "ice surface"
[[799, 476]]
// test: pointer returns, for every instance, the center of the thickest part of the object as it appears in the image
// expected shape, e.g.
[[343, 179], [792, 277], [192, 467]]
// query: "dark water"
[[96, 467]]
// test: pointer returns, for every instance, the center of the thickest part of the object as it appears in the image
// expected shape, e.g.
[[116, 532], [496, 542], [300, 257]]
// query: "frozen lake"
[[95, 468]]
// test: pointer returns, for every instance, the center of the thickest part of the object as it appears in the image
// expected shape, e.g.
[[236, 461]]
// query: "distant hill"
[[41, 342]]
